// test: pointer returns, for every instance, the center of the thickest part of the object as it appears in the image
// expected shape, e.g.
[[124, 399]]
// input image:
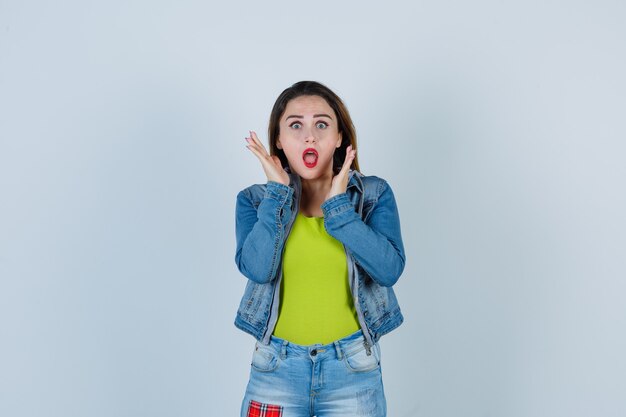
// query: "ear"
[[278, 144], [339, 141]]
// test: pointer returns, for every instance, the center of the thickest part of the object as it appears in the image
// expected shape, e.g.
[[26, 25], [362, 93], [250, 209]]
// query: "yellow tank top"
[[316, 305]]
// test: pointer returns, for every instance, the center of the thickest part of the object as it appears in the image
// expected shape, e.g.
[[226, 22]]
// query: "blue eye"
[[295, 125], [322, 125]]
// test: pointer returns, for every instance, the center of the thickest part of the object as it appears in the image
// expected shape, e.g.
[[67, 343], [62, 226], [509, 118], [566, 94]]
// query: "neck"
[[316, 188]]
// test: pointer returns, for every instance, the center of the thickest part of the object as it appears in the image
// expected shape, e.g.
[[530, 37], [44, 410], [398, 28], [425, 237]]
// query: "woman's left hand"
[[340, 181]]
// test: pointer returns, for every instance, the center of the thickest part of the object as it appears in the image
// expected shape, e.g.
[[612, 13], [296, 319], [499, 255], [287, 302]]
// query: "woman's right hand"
[[271, 164]]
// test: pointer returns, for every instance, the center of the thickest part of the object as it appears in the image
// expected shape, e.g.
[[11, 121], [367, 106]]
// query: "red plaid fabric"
[[256, 409]]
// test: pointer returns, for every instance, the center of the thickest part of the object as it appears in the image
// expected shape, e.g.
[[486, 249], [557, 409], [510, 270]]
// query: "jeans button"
[[314, 352]]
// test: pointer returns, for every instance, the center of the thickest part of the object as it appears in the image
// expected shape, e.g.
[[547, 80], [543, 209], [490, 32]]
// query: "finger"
[[258, 142], [252, 140], [254, 144], [255, 151], [263, 156], [253, 136], [348, 160]]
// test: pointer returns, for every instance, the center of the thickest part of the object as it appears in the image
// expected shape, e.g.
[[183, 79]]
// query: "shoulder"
[[254, 192], [373, 185]]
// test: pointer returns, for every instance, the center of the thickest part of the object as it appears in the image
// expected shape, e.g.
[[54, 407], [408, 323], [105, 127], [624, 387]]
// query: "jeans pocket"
[[264, 358], [360, 361]]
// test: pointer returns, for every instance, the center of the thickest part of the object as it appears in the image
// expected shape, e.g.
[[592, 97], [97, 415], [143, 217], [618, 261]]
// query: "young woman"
[[320, 244]]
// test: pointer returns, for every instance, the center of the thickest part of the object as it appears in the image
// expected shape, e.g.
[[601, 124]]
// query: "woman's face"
[[309, 136]]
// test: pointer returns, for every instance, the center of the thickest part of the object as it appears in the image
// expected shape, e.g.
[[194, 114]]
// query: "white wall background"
[[500, 126]]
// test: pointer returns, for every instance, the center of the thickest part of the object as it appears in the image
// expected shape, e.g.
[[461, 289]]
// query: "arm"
[[259, 231], [376, 245]]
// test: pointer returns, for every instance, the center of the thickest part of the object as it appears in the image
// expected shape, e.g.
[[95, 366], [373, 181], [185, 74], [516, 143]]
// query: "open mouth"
[[309, 156]]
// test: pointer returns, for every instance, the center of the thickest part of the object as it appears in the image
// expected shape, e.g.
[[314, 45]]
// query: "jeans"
[[340, 379]]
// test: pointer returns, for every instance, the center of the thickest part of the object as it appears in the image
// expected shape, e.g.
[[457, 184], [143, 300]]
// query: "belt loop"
[[338, 349], [368, 348], [283, 350]]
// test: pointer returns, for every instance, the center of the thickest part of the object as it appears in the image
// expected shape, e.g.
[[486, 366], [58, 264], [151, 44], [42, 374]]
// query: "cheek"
[[292, 153], [329, 155], [290, 150]]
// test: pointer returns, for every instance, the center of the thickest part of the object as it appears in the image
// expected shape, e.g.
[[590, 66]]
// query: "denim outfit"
[[364, 218]]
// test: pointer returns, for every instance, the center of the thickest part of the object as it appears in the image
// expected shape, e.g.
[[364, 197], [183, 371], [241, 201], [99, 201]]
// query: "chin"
[[312, 173]]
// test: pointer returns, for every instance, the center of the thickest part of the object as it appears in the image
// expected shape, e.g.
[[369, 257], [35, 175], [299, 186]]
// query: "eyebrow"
[[315, 115]]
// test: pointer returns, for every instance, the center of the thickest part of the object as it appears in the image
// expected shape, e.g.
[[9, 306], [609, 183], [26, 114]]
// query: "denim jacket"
[[364, 219]]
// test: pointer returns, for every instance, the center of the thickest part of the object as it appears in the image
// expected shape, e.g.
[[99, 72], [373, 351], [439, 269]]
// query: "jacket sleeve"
[[259, 231], [376, 245]]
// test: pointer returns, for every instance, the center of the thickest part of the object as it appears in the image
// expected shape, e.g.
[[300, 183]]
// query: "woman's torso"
[[316, 304]]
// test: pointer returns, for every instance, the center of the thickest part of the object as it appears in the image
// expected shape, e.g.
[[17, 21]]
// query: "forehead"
[[307, 106]]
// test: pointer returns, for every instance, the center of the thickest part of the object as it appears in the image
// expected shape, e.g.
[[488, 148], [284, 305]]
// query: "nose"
[[310, 138]]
